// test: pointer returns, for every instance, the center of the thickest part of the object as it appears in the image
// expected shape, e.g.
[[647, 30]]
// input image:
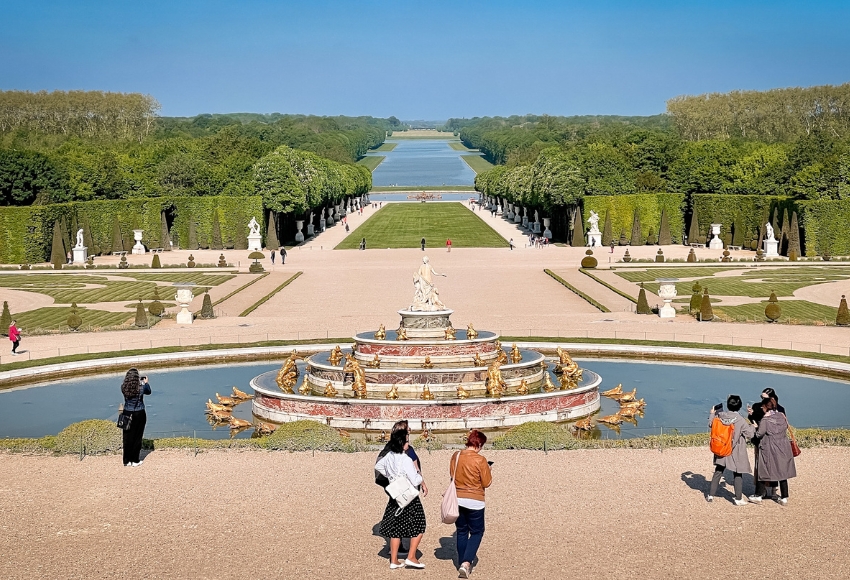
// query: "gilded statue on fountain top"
[[471, 332], [450, 333], [516, 356], [393, 393], [548, 386], [381, 333], [401, 333], [359, 383], [567, 366], [330, 391], [336, 356]]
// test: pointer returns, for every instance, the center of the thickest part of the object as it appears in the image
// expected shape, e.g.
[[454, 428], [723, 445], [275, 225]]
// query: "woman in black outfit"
[[756, 414], [134, 390]]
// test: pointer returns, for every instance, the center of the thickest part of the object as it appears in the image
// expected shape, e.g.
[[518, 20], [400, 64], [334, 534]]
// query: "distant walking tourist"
[[449, 245], [70, 258], [15, 337], [472, 476], [422, 243], [408, 522], [775, 459], [736, 461], [282, 255], [511, 244], [134, 389], [272, 257]]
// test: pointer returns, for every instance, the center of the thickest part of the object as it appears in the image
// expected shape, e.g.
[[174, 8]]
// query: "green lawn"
[[385, 147], [403, 225], [55, 318], [380, 188], [651, 274], [458, 146], [199, 278], [477, 163], [370, 162], [793, 312]]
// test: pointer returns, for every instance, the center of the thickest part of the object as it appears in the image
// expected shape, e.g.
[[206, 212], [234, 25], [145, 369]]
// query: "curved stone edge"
[[629, 351]]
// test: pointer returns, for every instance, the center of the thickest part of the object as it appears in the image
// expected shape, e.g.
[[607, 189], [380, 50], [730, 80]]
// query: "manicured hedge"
[[746, 211], [26, 233], [826, 227], [622, 208]]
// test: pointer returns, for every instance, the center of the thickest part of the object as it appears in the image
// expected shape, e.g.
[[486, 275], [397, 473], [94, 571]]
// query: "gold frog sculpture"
[[585, 424], [462, 393], [381, 333], [522, 389], [393, 393], [471, 332], [375, 363], [427, 364], [219, 416], [227, 401], [495, 383], [628, 397], [359, 384], [239, 423], [548, 386], [426, 394], [477, 361], [219, 408], [450, 333], [330, 391], [638, 404], [401, 333], [516, 356], [629, 412], [336, 356], [263, 428], [240, 395]]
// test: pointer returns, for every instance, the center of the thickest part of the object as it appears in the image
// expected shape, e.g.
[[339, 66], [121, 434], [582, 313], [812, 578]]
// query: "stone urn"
[[667, 292], [184, 297], [547, 233], [716, 243], [138, 248], [299, 225]]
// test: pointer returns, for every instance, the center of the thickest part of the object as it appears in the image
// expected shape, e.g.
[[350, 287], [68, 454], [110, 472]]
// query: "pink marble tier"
[[446, 349]]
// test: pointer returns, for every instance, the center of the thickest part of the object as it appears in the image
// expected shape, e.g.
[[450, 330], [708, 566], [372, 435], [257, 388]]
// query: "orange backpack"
[[721, 438]]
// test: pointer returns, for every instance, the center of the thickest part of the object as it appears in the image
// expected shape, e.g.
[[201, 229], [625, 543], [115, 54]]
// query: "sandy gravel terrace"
[[578, 514]]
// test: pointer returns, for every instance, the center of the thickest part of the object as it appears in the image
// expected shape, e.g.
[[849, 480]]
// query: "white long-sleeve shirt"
[[392, 465]]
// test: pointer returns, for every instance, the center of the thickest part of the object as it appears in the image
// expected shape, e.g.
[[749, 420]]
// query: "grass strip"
[[576, 291], [386, 188], [609, 286], [459, 146], [477, 163], [241, 288], [385, 147], [370, 162], [268, 296]]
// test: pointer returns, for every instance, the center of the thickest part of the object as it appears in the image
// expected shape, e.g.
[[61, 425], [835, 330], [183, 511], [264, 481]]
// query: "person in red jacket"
[[15, 337], [449, 244]]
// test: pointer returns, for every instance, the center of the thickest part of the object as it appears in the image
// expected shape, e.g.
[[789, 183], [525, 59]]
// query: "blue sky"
[[425, 59]]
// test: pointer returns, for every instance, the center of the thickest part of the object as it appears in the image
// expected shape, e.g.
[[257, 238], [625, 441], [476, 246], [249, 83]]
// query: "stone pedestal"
[[138, 248], [499, 210], [80, 255], [716, 243], [547, 233], [311, 230], [667, 292], [525, 221], [184, 297], [299, 237], [425, 324], [323, 225], [594, 240], [517, 218], [535, 227], [255, 243], [771, 248]]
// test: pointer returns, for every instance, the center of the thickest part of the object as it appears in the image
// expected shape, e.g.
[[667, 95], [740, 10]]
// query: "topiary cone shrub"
[[650, 239], [664, 237], [843, 317], [141, 317], [57, 250], [5, 319], [659, 257], [191, 262], [705, 311], [156, 308], [772, 311], [792, 256], [256, 267], [589, 261], [222, 263], [696, 299], [642, 303], [90, 437], [74, 320], [207, 308], [627, 257], [155, 262], [759, 255], [692, 256]]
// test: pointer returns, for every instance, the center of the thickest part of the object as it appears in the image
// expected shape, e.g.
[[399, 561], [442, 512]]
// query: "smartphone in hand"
[[718, 407]]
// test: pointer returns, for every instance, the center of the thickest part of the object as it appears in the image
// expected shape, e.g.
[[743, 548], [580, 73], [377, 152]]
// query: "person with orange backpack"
[[729, 434]]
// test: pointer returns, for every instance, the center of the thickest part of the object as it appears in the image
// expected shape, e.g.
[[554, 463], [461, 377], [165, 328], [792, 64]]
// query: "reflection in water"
[[423, 162]]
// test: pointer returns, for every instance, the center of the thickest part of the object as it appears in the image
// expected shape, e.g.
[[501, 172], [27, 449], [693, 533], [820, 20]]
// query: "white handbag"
[[402, 491]]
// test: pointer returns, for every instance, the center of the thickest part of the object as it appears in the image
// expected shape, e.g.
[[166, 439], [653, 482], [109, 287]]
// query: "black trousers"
[[15, 344], [133, 436]]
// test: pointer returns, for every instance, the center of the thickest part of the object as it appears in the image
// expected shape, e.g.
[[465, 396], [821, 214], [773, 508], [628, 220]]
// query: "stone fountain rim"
[[405, 311], [427, 341], [369, 370]]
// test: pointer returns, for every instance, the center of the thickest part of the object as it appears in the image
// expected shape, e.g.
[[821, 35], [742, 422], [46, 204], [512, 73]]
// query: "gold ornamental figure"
[[548, 386], [226, 401], [613, 393], [336, 356], [495, 383], [516, 356], [375, 363], [381, 333], [477, 361], [262, 428], [426, 394], [359, 383], [522, 389], [628, 397], [585, 424], [462, 393], [611, 419], [241, 395], [305, 388], [567, 382], [450, 333], [288, 374], [567, 366], [471, 332], [217, 408], [401, 333], [427, 364], [502, 357], [393, 393], [330, 391]]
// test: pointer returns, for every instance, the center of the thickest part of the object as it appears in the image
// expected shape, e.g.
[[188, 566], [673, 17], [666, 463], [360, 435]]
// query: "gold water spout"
[[522, 389], [450, 333], [427, 364], [393, 393], [330, 391], [471, 332], [426, 394], [401, 333], [375, 363], [381, 333], [477, 361], [462, 393], [516, 356]]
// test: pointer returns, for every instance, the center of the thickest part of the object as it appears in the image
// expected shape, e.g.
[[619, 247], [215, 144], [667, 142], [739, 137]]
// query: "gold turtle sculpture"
[[613, 393], [477, 361], [330, 391], [241, 395], [239, 423], [427, 364], [585, 424], [516, 356], [401, 333], [471, 332], [611, 419], [450, 333], [336, 356], [522, 389], [359, 384], [628, 397], [381, 333], [495, 383], [462, 393], [263, 428], [393, 393], [426, 394], [548, 386], [375, 363], [227, 401]]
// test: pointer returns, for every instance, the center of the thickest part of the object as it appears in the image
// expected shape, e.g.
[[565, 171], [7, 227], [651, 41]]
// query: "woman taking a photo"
[[775, 459], [134, 390], [410, 521], [471, 473]]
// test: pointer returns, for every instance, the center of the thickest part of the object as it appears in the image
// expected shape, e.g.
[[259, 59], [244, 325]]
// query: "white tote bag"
[[402, 491], [449, 510]]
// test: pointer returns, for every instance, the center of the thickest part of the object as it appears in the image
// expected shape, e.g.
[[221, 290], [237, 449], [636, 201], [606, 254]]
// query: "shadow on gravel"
[[448, 549], [698, 482]]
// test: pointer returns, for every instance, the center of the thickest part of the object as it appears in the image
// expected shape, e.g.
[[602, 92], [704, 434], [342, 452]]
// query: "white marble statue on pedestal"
[[594, 236], [255, 243], [80, 251], [426, 297], [771, 244]]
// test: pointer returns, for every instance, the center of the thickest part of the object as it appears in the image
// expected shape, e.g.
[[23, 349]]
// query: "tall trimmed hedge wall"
[[749, 210], [826, 227], [26, 233], [622, 208]]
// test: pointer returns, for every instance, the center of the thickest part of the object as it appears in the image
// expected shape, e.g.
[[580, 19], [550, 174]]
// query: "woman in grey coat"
[[776, 462], [738, 462]]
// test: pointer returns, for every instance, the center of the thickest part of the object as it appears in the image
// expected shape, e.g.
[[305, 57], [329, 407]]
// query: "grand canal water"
[[678, 398], [418, 162]]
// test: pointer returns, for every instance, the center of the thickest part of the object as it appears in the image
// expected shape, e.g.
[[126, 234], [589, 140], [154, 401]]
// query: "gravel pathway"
[[585, 514]]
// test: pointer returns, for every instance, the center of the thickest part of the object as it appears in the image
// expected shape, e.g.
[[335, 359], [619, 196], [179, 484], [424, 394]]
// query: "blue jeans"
[[470, 530]]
